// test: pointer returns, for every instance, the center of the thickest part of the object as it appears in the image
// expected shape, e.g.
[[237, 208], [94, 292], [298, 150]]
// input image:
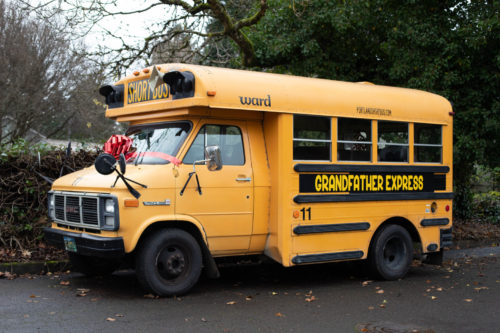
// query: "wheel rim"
[[394, 253], [172, 263]]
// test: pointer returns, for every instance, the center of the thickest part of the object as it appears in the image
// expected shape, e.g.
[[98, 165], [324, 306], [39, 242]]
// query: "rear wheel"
[[169, 262], [92, 265], [391, 252]]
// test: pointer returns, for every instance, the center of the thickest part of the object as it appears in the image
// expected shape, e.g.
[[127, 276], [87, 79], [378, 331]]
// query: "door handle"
[[245, 179]]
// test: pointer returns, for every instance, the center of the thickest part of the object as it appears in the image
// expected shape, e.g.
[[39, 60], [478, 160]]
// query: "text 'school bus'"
[[223, 162]]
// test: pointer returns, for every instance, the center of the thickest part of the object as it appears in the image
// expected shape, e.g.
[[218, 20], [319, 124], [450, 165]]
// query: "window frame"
[[312, 140], [415, 144], [369, 142], [407, 144], [205, 138]]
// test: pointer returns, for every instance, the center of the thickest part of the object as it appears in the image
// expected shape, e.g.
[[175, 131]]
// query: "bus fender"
[[172, 220]]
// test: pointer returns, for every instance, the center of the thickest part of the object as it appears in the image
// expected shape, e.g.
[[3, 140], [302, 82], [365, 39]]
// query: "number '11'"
[[304, 210]]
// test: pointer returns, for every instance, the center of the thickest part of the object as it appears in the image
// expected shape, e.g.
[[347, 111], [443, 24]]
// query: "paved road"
[[462, 296]]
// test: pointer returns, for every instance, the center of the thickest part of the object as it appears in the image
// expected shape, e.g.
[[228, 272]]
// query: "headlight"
[[109, 206], [51, 208], [110, 219]]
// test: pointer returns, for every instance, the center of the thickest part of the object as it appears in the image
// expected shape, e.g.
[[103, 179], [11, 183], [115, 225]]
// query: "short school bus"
[[235, 163]]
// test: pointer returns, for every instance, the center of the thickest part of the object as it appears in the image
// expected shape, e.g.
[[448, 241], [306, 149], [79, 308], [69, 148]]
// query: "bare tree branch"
[[89, 16]]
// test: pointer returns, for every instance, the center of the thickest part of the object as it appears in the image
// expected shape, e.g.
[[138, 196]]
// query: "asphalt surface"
[[461, 296]]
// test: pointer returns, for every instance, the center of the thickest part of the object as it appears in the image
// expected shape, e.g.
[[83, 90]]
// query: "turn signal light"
[[131, 203], [296, 214]]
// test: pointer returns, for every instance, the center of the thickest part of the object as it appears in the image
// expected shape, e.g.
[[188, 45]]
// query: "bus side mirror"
[[213, 158]]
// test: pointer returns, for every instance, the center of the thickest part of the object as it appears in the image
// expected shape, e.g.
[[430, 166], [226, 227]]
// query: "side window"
[[312, 139], [354, 141], [228, 138], [428, 145], [392, 141]]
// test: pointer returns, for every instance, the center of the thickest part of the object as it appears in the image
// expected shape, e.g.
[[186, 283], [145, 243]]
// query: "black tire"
[[168, 262], [92, 266], [391, 252]]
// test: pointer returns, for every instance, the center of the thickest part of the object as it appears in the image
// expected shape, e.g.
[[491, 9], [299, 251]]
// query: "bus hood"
[[89, 179]]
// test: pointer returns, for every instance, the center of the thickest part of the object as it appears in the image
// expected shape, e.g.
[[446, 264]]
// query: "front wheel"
[[169, 262], [391, 252]]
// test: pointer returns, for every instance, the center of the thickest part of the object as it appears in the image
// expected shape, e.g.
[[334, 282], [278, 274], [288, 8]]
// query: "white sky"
[[132, 28]]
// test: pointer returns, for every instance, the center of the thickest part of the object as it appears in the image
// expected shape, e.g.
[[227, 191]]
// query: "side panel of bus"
[[331, 231]]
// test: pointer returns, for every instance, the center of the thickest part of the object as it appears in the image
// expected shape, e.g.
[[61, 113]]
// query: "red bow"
[[117, 144]]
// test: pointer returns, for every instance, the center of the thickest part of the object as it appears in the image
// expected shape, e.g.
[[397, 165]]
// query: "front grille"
[[77, 210], [89, 211]]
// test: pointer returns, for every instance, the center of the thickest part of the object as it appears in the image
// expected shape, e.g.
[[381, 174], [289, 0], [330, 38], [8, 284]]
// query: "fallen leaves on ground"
[[64, 283], [231, 302], [367, 282], [81, 292], [110, 319], [279, 314], [7, 275], [151, 296]]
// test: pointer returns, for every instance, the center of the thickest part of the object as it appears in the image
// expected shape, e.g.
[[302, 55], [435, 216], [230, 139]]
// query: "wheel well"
[[186, 226], [208, 261], [398, 220]]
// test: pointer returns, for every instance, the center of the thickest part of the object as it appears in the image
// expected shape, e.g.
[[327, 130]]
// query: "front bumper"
[[89, 245]]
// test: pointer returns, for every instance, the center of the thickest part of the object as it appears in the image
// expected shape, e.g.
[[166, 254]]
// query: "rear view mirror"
[[105, 164], [213, 158], [122, 162]]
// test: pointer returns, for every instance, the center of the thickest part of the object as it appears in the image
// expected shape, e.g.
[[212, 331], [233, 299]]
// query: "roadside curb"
[[21, 268], [475, 252]]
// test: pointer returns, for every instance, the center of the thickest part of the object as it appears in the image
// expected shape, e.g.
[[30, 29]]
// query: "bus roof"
[[231, 89]]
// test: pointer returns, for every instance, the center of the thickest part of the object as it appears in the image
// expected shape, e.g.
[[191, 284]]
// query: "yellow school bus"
[[227, 162]]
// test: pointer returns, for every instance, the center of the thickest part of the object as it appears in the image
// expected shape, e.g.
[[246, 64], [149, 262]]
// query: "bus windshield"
[[156, 144]]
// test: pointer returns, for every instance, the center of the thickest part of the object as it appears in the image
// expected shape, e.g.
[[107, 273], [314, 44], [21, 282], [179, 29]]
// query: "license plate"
[[69, 244]]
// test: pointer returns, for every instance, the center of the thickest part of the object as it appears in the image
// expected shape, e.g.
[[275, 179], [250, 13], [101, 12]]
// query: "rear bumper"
[[89, 245]]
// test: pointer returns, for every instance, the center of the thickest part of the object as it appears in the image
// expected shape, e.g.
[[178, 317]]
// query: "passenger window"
[[392, 141], [354, 140], [312, 138], [428, 143], [228, 138]]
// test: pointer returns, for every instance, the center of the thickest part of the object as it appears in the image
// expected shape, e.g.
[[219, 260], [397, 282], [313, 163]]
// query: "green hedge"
[[23, 192]]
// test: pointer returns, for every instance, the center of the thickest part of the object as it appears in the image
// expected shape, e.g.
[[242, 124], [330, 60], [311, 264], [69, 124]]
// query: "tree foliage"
[[448, 47]]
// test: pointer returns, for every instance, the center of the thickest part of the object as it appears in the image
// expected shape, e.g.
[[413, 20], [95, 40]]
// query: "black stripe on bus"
[[310, 258], [314, 229], [433, 222], [368, 168], [312, 198]]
